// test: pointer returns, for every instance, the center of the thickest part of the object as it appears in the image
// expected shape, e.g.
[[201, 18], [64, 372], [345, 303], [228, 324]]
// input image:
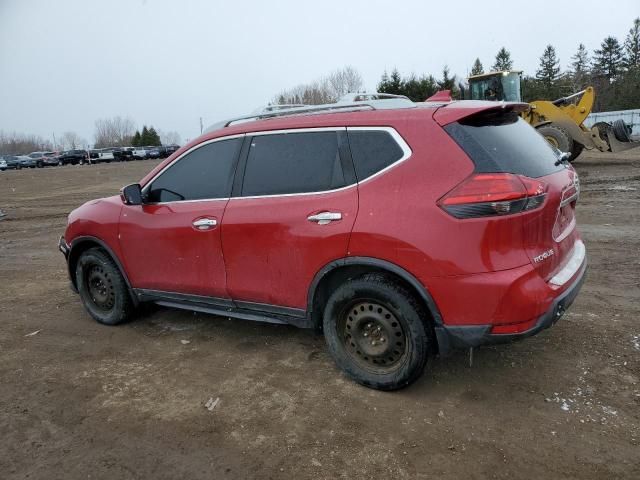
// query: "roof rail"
[[363, 97], [383, 102]]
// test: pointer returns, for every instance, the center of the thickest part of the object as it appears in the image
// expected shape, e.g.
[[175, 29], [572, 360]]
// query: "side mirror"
[[131, 194]]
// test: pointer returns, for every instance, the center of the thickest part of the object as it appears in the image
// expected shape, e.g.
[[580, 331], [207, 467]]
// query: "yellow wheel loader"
[[560, 121]]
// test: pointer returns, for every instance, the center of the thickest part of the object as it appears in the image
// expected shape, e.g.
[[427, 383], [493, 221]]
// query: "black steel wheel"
[[377, 332], [373, 336], [102, 287]]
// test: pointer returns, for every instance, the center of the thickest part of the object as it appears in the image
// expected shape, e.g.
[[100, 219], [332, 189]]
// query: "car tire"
[[102, 288], [576, 151], [39, 164], [376, 332], [557, 136]]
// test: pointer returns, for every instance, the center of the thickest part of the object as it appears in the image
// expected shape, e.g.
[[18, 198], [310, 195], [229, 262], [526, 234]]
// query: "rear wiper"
[[562, 158]]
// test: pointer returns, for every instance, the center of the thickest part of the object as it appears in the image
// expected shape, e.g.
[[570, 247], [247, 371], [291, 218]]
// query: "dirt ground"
[[81, 400]]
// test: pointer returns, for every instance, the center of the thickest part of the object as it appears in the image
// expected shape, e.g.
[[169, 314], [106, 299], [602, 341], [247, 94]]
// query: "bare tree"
[[324, 90], [114, 132], [169, 138], [345, 80], [19, 143], [71, 141]]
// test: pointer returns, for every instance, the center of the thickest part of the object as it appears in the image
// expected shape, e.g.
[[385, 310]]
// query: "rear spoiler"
[[456, 111]]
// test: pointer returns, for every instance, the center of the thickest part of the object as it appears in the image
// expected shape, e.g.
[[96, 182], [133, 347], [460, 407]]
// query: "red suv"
[[398, 229]]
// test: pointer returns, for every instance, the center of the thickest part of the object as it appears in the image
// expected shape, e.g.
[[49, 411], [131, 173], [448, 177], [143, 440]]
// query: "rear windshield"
[[504, 142]]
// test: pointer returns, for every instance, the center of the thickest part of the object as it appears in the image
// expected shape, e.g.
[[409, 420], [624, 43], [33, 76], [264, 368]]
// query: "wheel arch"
[[84, 243], [337, 271]]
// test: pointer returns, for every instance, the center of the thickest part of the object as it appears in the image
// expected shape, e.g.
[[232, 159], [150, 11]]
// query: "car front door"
[[292, 214], [172, 242]]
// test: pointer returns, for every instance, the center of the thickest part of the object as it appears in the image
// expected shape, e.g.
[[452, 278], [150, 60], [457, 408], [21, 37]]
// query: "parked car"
[[140, 153], [153, 152], [123, 154], [44, 159], [73, 157], [399, 230], [12, 161], [3, 164], [105, 155], [26, 161], [167, 150]]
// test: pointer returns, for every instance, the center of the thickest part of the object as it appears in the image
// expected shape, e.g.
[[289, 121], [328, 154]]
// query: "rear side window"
[[372, 151], [504, 143], [293, 163], [206, 172]]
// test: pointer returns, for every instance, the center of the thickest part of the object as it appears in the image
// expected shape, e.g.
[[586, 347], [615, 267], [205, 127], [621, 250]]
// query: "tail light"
[[493, 194]]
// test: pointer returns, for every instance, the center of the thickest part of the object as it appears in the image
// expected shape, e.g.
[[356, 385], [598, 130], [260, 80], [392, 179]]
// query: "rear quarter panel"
[[399, 219]]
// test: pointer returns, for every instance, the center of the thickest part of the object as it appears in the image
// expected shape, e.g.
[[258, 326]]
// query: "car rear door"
[[172, 242], [292, 213]]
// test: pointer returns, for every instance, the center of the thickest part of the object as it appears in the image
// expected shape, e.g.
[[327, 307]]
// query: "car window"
[[499, 142], [372, 151], [293, 163], [206, 172]]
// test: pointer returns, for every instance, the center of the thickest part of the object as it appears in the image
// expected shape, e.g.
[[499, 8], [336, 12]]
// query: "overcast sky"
[[66, 63]]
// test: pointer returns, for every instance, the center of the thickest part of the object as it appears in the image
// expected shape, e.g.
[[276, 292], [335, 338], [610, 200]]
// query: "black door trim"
[[226, 307]]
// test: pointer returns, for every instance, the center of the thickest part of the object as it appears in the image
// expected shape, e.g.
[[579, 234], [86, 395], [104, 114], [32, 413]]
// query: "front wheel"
[[376, 332], [557, 136], [102, 288]]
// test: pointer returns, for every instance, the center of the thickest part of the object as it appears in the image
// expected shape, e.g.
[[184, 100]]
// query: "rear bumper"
[[460, 337]]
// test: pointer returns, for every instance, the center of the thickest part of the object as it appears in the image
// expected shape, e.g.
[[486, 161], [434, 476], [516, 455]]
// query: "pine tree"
[[395, 83], [447, 82], [580, 61], [607, 60], [579, 68], [144, 137], [135, 140], [477, 68], [154, 138], [632, 46], [503, 61], [383, 86], [549, 69]]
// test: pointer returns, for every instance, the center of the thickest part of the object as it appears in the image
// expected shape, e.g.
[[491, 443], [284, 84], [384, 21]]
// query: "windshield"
[[501, 87]]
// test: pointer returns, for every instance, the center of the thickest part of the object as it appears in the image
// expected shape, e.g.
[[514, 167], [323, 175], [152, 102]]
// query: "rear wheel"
[[375, 332], [575, 151], [557, 136], [102, 288]]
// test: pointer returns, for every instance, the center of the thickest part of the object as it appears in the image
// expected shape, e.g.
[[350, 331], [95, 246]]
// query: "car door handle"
[[323, 218], [205, 223]]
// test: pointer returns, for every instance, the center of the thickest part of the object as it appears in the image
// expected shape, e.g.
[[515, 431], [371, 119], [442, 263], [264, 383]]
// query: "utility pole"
[[200, 125], [54, 139]]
